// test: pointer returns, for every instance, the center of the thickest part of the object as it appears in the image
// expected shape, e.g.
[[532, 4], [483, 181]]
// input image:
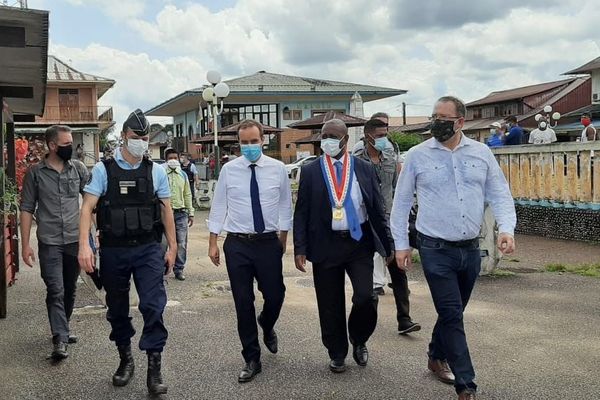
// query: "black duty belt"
[[460, 243], [254, 236], [180, 210]]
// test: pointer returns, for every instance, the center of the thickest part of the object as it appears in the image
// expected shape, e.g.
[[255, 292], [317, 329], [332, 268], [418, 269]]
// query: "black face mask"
[[442, 130], [64, 152]]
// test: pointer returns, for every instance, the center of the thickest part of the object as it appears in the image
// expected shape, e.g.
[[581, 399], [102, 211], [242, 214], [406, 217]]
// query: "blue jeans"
[[451, 273], [181, 235]]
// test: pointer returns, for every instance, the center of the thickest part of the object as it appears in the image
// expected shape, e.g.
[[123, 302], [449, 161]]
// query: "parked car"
[[298, 163]]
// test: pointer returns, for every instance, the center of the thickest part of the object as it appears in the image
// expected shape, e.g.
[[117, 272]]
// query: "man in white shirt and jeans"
[[253, 204]]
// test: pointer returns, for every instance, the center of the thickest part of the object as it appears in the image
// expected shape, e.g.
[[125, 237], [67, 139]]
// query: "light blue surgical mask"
[[252, 152], [381, 143]]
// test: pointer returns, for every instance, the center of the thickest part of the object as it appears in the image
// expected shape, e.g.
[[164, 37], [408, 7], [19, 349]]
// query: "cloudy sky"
[[156, 49]]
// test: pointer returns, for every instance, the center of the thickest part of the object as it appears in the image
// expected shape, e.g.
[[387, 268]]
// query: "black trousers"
[[355, 259], [247, 260], [59, 269], [401, 293], [147, 265]]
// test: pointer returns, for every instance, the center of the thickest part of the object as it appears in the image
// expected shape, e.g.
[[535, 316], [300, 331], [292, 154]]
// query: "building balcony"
[[80, 114]]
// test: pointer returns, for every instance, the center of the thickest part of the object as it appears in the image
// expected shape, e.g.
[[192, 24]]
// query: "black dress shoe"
[[379, 291], [251, 369], [59, 351], [360, 354], [73, 339], [270, 339], [408, 327], [337, 366], [180, 276]]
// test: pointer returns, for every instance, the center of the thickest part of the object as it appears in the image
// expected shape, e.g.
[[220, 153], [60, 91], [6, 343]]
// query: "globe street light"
[[211, 95]]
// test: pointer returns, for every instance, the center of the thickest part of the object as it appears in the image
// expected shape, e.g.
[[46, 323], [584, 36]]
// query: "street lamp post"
[[211, 94]]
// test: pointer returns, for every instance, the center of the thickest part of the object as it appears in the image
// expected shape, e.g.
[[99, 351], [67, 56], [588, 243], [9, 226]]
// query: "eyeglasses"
[[440, 118]]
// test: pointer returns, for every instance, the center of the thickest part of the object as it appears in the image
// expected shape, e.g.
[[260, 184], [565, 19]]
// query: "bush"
[[405, 140]]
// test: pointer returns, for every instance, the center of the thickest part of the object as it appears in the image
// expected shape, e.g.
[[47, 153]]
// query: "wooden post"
[[536, 172], [547, 177], [596, 177], [559, 177], [572, 179], [585, 177], [3, 284], [515, 176], [526, 175]]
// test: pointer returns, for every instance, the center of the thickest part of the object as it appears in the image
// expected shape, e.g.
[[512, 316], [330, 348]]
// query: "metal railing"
[[78, 114]]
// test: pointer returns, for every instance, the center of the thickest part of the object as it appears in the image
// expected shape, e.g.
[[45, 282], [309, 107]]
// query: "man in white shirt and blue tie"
[[253, 204], [453, 177]]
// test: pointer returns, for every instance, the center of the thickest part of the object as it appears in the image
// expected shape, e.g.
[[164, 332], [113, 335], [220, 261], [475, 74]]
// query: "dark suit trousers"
[[247, 260], [401, 293], [355, 259]]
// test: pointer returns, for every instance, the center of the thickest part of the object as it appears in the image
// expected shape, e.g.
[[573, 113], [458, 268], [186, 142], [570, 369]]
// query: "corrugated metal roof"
[[263, 81], [519, 93], [59, 71], [585, 68]]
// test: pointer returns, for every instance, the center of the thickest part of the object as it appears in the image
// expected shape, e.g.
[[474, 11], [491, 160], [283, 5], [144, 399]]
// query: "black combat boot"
[[154, 381], [126, 367]]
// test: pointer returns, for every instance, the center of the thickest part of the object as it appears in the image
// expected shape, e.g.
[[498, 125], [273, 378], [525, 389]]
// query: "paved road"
[[532, 336]]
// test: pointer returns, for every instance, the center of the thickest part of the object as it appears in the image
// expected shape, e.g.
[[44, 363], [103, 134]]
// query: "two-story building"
[[525, 102], [72, 98], [272, 99], [570, 123]]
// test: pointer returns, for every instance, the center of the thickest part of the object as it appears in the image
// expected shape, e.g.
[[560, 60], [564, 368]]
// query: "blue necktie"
[[257, 215], [351, 217]]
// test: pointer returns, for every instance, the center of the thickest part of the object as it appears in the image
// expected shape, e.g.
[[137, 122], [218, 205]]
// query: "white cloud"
[[469, 52], [141, 82]]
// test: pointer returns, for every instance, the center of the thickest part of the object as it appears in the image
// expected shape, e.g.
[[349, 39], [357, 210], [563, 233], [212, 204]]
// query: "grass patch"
[[416, 259], [501, 273], [592, 270]]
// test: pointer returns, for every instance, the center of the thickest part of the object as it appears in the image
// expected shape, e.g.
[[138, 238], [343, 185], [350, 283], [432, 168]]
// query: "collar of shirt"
[[333, 160], [435, 144], [44, 164]]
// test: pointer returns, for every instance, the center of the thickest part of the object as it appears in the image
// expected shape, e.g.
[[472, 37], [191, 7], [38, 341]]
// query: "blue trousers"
[[146, 264], [451, 273], [181, 235]]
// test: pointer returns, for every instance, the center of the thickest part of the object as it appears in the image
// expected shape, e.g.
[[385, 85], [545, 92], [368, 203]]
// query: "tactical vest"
[[129, 213], [189, 173]]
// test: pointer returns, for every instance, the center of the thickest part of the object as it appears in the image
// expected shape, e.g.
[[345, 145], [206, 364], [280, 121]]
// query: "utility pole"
[[403, 113]]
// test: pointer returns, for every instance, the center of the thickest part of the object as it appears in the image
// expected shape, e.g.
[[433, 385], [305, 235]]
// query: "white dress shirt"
[[231, 208], [357, 201]]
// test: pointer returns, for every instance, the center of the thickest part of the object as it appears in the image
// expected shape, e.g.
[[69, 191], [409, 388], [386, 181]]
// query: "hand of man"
[[28, 255], [170, 256], [86, 258], [506, 243], [300, 262], [404, 259], [190, 221], [213, 253]]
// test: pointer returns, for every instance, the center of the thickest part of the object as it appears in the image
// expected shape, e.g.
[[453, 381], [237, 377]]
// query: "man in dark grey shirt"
[[378, 151], [51, 191]]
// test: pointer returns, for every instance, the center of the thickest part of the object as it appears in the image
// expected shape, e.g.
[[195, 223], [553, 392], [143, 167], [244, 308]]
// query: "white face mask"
[[137, 147], [173, 164], [331, 147]]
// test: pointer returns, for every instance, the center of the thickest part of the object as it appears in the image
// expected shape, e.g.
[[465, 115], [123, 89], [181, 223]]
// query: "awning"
[[318, 121]]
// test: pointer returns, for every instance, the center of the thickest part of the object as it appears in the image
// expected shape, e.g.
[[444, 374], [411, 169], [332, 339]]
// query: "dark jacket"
[[312, 216]]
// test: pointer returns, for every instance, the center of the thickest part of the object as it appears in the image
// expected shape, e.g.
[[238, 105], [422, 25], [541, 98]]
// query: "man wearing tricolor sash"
[[339, 222]]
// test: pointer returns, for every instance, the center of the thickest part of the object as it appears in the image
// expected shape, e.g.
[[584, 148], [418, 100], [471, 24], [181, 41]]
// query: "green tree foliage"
[[405, 140]]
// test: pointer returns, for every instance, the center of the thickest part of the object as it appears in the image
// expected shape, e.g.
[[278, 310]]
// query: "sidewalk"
[[532, 336]]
